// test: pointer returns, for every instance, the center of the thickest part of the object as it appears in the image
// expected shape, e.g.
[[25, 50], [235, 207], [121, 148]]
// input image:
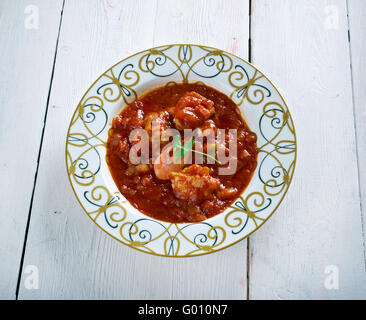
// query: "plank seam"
[[38, 157], [355, 129]]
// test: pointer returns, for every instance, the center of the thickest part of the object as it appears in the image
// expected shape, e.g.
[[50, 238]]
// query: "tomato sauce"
[[195, 192]]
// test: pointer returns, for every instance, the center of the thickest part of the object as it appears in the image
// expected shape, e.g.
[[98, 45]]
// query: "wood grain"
[[27, 57], [319, 223], [75, 259], [222, 24]]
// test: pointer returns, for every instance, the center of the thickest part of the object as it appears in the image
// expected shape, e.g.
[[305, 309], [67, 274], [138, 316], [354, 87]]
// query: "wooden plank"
[[27, 56], [224, 25], [303, 46], [217, 23], [74, 258], [357, 25]]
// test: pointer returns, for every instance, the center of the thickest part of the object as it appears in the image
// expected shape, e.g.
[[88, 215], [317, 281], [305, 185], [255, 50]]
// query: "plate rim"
[[207, 252]]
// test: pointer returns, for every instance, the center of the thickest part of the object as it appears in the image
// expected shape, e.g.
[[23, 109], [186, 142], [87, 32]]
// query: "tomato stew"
[[180, 192]]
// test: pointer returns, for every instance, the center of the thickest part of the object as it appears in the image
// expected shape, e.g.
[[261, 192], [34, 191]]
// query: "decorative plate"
[[263, 108]]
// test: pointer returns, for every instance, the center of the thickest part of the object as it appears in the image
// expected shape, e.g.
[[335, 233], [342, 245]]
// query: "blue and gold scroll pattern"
[[254, 94]]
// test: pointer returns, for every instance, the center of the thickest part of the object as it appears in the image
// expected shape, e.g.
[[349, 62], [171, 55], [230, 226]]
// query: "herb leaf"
[[188, 147], [180, 151], [177, 148]]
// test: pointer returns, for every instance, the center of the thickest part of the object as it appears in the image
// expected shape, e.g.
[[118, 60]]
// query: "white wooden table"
[[313, 50]]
